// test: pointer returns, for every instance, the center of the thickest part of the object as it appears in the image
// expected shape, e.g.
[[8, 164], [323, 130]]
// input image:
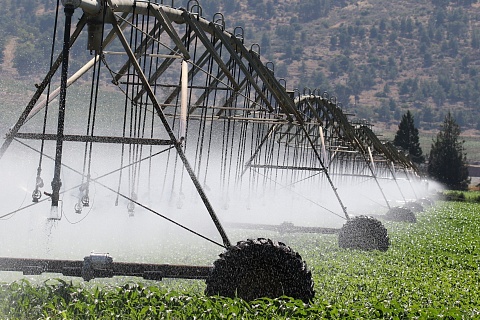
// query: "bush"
[[454, 196]]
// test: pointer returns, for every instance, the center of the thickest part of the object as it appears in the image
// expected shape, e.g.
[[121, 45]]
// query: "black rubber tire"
[[364, 233], [425, 202], [260, 268], [415, 206], [401, 214]]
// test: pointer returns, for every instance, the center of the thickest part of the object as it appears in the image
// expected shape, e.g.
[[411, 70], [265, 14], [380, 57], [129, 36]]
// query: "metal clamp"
[[97, 265]]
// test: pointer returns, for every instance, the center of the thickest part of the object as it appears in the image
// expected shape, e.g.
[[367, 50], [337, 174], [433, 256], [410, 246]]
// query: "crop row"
[[430, 271]]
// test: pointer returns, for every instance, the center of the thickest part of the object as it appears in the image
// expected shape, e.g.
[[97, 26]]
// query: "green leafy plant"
[[430, 271]]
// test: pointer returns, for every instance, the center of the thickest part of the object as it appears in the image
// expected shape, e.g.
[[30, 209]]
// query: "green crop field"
[[430, 271]]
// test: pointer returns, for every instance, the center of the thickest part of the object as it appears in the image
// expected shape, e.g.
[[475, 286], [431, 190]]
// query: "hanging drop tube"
[[183, 102], [56, 182]]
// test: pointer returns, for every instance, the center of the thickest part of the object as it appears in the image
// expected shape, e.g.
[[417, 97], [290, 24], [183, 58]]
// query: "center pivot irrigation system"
[[186, 104]]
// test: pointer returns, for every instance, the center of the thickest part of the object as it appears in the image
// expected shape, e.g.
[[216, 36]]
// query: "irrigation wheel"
[[401, 214], [425, 202], [260, 268], [415, 206], [364, 233]]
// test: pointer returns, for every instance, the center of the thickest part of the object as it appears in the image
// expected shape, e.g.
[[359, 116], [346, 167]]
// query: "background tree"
[[447, 162], [407, 138]]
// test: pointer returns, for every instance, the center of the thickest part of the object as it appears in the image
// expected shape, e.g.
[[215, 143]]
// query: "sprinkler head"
[[78, 208], [131, 209], [85, 201], [36, 195]]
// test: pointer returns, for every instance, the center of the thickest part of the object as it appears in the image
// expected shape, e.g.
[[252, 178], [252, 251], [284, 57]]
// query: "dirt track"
[[8, 54]]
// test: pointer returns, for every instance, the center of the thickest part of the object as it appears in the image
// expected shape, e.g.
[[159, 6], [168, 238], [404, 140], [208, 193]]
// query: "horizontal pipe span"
[[284, 228], [93, 8], [90, 6], [75, 268], [37, 266], [100, 139], [267, 166]]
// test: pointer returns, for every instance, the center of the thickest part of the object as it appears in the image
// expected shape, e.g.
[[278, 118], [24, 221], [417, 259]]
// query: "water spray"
[[230, 81]]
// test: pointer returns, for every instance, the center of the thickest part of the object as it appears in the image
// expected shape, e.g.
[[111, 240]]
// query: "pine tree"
[[447, 162], [407, 138]]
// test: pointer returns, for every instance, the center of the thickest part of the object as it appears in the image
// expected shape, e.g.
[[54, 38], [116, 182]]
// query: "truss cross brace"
[[177, 144]]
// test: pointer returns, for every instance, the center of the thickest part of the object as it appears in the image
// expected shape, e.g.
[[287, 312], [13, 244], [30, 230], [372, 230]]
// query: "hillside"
[[379, 58]]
